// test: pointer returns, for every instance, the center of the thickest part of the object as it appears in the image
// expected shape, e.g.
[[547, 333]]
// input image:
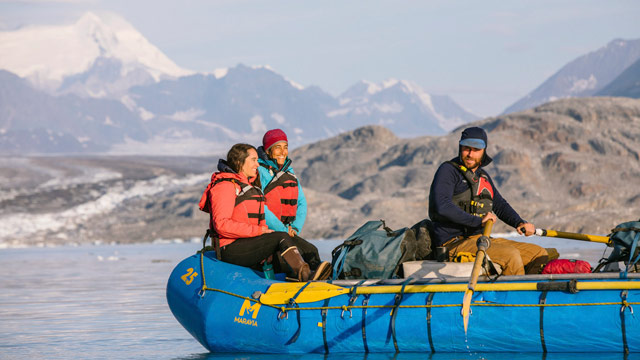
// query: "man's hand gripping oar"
[[483, 244]]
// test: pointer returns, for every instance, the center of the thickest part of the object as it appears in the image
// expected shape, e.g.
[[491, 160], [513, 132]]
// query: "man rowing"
[[463, 198]]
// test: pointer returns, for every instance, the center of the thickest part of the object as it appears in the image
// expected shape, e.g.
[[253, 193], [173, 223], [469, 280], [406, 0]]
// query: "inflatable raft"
[[229, 308]]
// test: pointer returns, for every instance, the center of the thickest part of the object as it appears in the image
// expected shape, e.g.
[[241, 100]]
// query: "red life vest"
[[282, 195], [248, 207]]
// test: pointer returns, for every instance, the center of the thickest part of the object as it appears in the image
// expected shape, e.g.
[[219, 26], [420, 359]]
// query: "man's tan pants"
[[511, 255]]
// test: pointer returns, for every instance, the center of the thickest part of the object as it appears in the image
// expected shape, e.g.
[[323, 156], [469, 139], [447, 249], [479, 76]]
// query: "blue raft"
[[229, 308]]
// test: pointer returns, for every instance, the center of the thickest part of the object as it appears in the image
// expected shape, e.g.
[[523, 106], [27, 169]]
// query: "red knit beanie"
[[273, 136]]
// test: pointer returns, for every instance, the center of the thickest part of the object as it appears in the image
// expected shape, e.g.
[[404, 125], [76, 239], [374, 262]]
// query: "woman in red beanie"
[[236, 204], [286, 204]]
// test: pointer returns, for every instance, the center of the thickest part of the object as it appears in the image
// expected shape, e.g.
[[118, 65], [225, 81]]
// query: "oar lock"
[[483, 243]]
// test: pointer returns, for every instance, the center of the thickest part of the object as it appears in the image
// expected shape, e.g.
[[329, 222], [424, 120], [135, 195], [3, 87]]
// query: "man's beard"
[[471, 163]]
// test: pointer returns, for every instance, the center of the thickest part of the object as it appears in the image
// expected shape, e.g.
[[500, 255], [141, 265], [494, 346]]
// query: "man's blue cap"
[[474, 137]]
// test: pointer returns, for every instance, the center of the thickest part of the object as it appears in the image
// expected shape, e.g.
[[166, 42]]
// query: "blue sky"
[[484, 54]]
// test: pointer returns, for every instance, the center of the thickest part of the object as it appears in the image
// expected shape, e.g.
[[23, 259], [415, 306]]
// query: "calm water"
[[108, 302]]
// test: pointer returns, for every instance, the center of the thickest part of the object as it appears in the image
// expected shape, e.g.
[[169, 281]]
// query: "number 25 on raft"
[[188, 277]]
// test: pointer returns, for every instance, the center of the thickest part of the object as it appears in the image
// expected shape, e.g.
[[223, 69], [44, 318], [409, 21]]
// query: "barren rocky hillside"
[[571, 165]]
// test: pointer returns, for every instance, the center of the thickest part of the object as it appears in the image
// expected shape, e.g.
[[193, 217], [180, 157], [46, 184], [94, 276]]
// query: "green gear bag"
[[374, 251]]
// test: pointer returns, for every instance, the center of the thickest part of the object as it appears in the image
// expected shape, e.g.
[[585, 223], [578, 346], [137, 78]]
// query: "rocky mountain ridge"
[[572, 164], [627, 84], [585, 76]]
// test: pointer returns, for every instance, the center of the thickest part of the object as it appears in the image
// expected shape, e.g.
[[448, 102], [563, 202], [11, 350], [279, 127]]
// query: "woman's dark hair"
[[237, 155]]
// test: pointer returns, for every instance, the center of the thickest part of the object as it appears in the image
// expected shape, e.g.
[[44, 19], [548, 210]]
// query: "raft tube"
[[229, 308]]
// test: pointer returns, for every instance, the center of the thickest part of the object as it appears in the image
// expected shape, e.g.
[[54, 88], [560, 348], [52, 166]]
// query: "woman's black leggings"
[[250, 252]]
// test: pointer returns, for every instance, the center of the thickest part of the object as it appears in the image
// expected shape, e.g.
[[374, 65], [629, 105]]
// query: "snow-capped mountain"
[[34, 121], [99, 85], [238, 106], [584, 76], [400, 105], [96, 56]]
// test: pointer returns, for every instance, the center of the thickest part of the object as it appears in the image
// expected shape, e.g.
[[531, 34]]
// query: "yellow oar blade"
[[572, 236], [466, 308], [280, 293]]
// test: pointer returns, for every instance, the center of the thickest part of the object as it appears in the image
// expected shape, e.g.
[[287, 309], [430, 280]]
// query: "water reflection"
[[108, 302], [416, 356]]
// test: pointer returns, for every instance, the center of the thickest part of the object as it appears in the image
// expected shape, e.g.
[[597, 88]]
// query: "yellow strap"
[[463, 256]]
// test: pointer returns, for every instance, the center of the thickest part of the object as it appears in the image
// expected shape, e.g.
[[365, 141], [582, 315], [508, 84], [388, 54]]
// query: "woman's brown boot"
[[294, 259]]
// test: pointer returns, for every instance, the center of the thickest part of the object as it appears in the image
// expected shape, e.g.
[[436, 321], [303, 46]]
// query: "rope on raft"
[[283, 309]]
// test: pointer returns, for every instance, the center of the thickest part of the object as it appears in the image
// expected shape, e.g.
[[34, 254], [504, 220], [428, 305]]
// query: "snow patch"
[[581, 85], [164, 145], [388, 108], [339, 112], [389, 83], [344, 101], [268, 67], [145, 114], [24, 224], [89, 176], [128, 102], [386, 121], [220, 73], [187, 115], [257, 124], [278, 118], [372, 88], [295, 84]]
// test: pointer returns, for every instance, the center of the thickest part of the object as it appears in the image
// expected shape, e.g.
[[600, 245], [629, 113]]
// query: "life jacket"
[[477, 200], [249, 195], [282, 194]]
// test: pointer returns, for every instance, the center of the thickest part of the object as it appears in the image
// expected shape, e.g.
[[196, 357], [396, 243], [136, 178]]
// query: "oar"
[[573, 236], [280, 293], [483, 244]]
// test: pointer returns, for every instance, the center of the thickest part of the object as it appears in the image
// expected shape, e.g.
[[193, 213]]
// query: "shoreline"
[[568, 249]]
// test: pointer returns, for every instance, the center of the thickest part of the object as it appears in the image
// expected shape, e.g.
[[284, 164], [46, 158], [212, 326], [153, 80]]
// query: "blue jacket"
[[449, 181], [273, 222]]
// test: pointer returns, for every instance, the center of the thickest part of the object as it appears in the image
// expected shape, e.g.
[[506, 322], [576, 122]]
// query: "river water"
[[108, 302]]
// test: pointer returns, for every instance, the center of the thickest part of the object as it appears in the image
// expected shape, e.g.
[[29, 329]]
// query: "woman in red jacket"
[[236, 204]]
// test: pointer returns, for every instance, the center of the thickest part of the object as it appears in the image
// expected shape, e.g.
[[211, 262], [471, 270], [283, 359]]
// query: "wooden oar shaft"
[[573, 236], [475, 272], [480, 255], [483, 245], [487, 228]]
